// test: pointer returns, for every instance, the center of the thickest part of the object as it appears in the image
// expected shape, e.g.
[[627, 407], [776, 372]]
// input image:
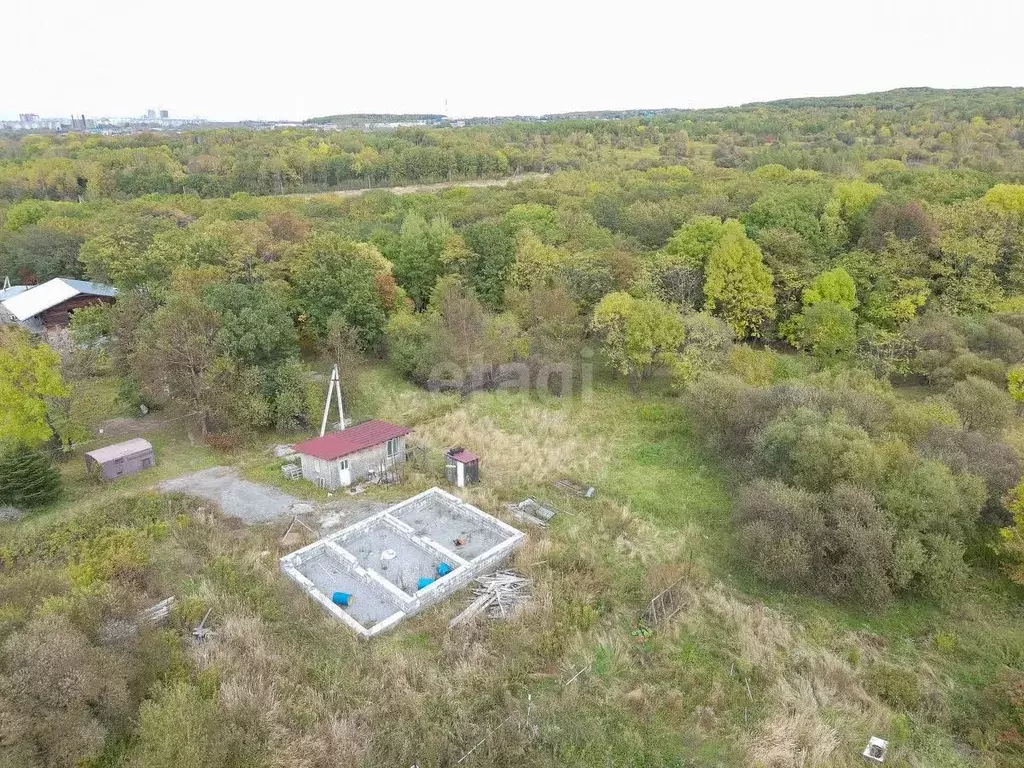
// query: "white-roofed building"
[[51, 304]]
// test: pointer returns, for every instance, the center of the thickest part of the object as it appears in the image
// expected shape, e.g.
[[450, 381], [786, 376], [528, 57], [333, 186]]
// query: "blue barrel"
[[424, 582], [444, 569], [341, 598]]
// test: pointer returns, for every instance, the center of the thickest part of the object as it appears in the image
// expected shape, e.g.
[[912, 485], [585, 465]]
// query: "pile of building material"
[[158, 613], [498, 595], [533, 512]]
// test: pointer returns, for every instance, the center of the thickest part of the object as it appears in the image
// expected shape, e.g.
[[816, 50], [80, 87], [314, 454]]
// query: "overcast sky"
[[235, 59]]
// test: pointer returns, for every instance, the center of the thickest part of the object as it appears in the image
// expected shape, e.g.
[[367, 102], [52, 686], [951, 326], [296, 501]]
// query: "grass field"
[[743, 675]]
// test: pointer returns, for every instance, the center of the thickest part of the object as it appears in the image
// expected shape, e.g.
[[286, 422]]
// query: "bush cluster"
[[853, 492]]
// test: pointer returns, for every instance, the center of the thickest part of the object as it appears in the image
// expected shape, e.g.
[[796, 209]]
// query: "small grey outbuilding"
[[120, 459]]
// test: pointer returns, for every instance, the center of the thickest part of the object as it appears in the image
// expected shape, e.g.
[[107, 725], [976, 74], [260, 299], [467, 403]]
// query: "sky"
[[233, 60]]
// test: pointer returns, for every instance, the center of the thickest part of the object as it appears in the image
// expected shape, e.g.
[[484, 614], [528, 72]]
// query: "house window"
[[392, 447], [343, 465]]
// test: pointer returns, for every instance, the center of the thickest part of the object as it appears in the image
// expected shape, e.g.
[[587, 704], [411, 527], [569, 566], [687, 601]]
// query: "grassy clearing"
[[743, 675]]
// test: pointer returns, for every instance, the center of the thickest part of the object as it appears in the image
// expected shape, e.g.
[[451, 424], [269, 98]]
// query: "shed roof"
[[40, 298], [13, 291], [120, 450], [464, 457], [357, 438]]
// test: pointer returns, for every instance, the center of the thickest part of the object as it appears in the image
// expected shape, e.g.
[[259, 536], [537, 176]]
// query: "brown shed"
[[120, 459]]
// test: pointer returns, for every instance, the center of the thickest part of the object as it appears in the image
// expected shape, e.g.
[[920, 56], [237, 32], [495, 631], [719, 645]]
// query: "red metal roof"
[[357, 438], [465, 457]]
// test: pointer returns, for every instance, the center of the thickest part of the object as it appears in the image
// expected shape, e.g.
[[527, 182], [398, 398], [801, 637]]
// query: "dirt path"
[[421, 188]]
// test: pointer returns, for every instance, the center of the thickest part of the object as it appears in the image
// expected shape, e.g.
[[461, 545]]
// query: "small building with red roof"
[[461, 467], [367, 450]]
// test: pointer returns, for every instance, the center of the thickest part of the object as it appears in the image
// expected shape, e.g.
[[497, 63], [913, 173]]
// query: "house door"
[[344, 476]]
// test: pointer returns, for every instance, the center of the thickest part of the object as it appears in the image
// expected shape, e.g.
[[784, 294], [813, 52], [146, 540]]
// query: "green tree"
[[30, 381], [835, 286], [639, 334], [332, 274], [419, 255], [37, 254], [176, 354], [693, 242], [255, 326], [28, 479], [492, 252], [1015, 383], [738, 287], [1006, 198], [1011, 538], [830, 331], [24, 214]]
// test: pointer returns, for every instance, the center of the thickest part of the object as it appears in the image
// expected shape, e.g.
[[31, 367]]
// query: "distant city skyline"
[[220, 61]]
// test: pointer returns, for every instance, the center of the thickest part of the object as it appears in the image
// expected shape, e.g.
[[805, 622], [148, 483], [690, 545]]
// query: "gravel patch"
[[255, 503]]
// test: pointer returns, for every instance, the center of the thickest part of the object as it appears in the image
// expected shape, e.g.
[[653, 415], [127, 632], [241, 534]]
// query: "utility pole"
[[335, 387]]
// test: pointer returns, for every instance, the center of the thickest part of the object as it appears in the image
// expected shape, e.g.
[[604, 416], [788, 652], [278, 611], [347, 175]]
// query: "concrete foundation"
[[379, 561]]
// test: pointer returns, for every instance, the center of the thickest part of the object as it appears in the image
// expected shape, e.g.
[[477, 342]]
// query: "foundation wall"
[[350, 559]]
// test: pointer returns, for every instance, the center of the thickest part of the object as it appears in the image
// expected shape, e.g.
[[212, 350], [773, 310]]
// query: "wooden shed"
[[50, 305], [120, 459], [339, 459], [461, 467]]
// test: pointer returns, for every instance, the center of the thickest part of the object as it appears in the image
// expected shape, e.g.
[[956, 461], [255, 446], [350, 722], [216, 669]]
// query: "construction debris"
[[281, 451], [158, 613], [292, 471], [667, 603], [532, 512], [498, 594], [574, 489], [875, 751], [202, 631], [295, 519]]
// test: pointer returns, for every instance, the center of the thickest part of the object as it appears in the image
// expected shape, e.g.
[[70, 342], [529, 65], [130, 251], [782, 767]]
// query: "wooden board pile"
[[158, 613], [498, 595]]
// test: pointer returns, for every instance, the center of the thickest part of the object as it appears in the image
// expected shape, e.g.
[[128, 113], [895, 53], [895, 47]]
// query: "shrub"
[[858, 558], [838, 544], [58, 694], [28, 479], [815, 451], [970, 364], [179, 726], [777, 555], [779, 528], [977, 454], [755, 366], [897, 687], [924, 495], [981, 404]]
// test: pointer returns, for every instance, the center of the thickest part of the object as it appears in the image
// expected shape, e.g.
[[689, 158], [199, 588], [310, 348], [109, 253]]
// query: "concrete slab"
[[410, 563], [446, 523], [370, 604]]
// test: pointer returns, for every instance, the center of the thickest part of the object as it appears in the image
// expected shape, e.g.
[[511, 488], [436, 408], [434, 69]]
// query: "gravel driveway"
[[255, 503]]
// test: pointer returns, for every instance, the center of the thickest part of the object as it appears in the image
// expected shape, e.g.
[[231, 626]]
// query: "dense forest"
[[831, 291]]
